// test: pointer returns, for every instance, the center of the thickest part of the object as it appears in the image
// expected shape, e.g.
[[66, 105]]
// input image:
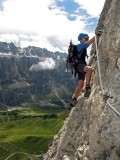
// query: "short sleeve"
[[82, 46]]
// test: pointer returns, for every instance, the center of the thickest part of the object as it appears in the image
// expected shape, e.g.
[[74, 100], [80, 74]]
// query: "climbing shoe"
[[73, 102], [87, 91]]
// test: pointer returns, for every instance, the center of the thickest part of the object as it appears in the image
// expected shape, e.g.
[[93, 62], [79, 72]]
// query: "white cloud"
[[93, 7], [31, 22], [49, 63], [9, 37]]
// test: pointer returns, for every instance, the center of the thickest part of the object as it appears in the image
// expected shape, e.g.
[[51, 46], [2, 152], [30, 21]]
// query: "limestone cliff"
[[92, 130]]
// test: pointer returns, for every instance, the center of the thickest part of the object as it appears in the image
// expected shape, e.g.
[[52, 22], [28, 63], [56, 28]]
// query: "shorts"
[[80, 70]]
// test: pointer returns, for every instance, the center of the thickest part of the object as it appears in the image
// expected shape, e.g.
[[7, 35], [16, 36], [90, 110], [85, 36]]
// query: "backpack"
[[74, 57]]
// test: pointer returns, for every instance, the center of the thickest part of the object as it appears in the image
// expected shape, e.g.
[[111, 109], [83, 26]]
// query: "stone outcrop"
[[92, 130]]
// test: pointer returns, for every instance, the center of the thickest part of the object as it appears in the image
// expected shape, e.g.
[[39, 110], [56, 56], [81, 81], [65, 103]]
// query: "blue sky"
[[47, 24]]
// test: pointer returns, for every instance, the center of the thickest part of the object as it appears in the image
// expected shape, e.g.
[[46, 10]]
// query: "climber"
[[84, 71]]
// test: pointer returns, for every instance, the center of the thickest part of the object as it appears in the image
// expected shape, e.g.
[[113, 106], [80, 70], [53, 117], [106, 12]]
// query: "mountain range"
[[30, 75]]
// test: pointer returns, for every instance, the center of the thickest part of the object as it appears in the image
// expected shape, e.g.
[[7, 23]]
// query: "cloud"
[[93, 7], [49, 63], [7, 37], [42, 23]]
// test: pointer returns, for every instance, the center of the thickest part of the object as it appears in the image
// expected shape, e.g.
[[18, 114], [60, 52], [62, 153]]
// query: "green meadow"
[[26, 134]]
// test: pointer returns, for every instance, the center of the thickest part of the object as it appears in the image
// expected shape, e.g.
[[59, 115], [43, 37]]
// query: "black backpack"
[[74, 58]]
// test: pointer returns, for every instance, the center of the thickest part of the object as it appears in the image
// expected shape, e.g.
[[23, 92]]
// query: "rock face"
[[92, 130]]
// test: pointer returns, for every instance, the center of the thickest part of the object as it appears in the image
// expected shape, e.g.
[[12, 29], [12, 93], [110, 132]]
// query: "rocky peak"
[[8, 48], [11, 49]]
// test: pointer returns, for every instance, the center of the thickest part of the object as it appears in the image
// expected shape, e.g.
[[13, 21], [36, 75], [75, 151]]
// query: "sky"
[[49, 24]]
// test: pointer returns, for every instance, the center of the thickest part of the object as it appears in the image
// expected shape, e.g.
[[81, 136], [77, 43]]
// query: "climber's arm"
[[93, 39]]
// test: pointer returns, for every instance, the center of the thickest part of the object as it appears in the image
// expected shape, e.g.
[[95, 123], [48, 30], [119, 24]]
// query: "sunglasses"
[[87, 38]]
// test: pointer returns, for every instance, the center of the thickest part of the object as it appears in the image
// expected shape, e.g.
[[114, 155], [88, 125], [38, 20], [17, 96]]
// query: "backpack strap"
[[82, 55]]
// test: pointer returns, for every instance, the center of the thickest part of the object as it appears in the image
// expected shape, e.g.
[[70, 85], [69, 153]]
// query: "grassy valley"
[[26, 134]]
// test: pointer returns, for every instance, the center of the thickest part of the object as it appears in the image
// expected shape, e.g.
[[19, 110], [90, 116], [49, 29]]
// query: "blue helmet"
[[86, 35], [82, 35]]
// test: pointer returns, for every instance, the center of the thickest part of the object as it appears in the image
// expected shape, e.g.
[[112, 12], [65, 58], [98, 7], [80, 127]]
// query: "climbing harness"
[[101, 85]]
